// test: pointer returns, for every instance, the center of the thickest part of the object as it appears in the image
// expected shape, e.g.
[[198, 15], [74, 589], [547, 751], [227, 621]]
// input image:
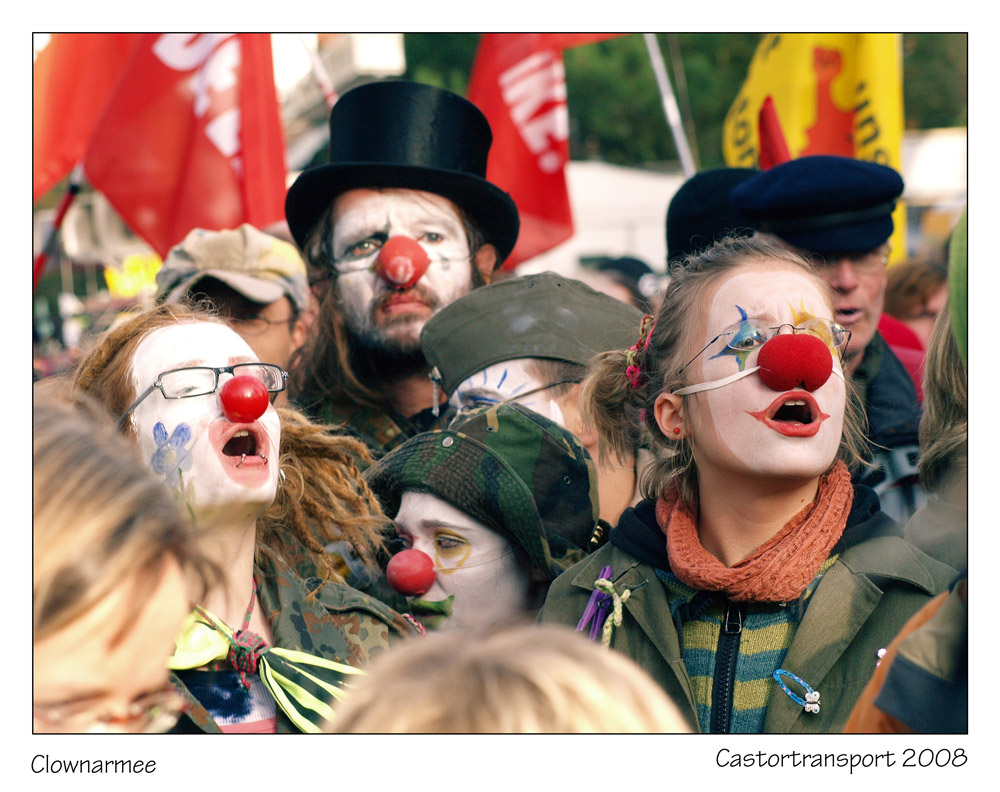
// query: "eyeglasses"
[[152, 713], [748, 335], [539, 389], [258, 325], [868, 262], [183, 383], [481, 400]]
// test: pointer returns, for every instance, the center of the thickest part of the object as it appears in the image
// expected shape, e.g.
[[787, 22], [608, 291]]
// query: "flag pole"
[[670, 109], [72, 189], [320, 74]]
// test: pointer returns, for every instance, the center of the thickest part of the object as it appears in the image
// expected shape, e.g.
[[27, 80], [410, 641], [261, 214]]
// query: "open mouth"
[[793, 414], [847, 316], [243, 443]]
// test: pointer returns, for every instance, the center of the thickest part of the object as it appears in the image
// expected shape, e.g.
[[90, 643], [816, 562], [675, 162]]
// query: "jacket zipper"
[[724, 678]]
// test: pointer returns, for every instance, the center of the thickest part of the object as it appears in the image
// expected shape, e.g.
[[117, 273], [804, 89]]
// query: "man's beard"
[[380, 354], [370, 337]]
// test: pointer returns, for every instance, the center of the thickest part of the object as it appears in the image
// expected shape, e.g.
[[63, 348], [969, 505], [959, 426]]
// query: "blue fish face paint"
[[741, 341]]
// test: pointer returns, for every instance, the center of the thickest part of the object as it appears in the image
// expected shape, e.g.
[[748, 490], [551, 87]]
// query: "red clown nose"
[[244, 399], [401, 262], [795, 360], [410, 572]]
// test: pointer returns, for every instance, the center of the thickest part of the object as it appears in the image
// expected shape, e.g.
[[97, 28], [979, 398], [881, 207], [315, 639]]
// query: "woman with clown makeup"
[[264, 650], [755, 582]]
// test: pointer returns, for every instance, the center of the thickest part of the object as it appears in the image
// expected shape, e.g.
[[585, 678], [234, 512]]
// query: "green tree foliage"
[[441, 59], [935, 80], [616, 114]]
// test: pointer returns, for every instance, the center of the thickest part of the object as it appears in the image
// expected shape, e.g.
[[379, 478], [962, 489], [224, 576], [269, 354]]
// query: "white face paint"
[[724, 432], [472, 562], [382, 317], [504, 382], [189, 441]]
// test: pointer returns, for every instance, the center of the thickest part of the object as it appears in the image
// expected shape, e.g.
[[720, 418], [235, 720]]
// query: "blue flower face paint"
[[171, 455]]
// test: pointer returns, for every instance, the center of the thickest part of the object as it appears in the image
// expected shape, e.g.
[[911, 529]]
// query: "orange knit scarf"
[[777, 571]]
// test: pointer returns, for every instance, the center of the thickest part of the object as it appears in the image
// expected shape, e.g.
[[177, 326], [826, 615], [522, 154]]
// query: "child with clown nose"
[[754, 582]]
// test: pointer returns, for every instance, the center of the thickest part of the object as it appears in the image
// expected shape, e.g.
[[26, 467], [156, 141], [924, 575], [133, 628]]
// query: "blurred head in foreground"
[[534, 680], [109, 591]]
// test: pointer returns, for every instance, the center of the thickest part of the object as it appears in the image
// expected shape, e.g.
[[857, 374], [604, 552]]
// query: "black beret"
[[700, 212], [823, 203]]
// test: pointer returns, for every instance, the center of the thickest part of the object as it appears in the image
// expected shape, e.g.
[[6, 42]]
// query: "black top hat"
[[409, 136]]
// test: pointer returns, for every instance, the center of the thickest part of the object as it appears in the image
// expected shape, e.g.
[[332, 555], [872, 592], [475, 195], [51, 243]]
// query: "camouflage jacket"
[[337, 622]]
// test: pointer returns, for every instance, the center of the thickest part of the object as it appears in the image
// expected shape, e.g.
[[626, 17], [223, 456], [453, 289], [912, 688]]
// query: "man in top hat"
[[837, 211], [399, 224], [533, 347], [255, 281]]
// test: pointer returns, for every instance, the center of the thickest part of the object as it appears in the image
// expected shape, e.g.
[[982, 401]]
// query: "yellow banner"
[[834, 93], [137, 275]]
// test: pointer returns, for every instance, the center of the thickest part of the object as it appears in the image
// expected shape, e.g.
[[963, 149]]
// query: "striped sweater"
[[731, 651]]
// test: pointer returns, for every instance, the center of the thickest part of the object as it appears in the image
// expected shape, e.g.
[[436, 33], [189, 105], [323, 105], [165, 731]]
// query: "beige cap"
[[259, 266]]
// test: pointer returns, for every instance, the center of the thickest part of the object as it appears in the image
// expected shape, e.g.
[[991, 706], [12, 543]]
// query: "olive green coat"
[[859, 606]]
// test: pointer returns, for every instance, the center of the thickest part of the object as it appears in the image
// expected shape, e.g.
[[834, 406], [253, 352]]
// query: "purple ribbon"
[[596, 612]]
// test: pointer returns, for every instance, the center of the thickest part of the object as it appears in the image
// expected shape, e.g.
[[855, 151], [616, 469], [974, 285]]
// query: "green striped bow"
[[302, 684]]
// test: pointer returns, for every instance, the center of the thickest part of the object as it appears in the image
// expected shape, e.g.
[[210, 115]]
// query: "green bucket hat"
[[538, 316], [511, 469]]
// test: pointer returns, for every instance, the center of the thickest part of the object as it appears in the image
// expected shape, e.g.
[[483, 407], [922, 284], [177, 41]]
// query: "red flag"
[[192, 137], [71, 80], [519, 83]]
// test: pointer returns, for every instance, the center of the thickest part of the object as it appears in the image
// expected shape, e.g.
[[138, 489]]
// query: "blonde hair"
[[944, 425], [535, 679], [618, 411], [99, 517], [323, 498]]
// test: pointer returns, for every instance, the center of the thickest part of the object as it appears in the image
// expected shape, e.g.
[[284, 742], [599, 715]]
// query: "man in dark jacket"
[[837, 211]]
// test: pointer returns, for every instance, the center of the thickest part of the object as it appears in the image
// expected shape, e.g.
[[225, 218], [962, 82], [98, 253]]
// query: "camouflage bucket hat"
[[511, 469]]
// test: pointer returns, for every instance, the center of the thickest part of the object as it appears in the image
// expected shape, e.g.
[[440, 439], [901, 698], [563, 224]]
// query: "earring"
[[281, 477], [677, 430]]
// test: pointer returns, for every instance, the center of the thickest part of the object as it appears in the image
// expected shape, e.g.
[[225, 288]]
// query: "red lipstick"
[[793, 414], [243, 449]]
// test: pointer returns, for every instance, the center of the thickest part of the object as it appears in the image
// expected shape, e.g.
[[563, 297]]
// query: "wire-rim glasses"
[[748, 336], [185, 383], [258, 325], [155, 712]]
